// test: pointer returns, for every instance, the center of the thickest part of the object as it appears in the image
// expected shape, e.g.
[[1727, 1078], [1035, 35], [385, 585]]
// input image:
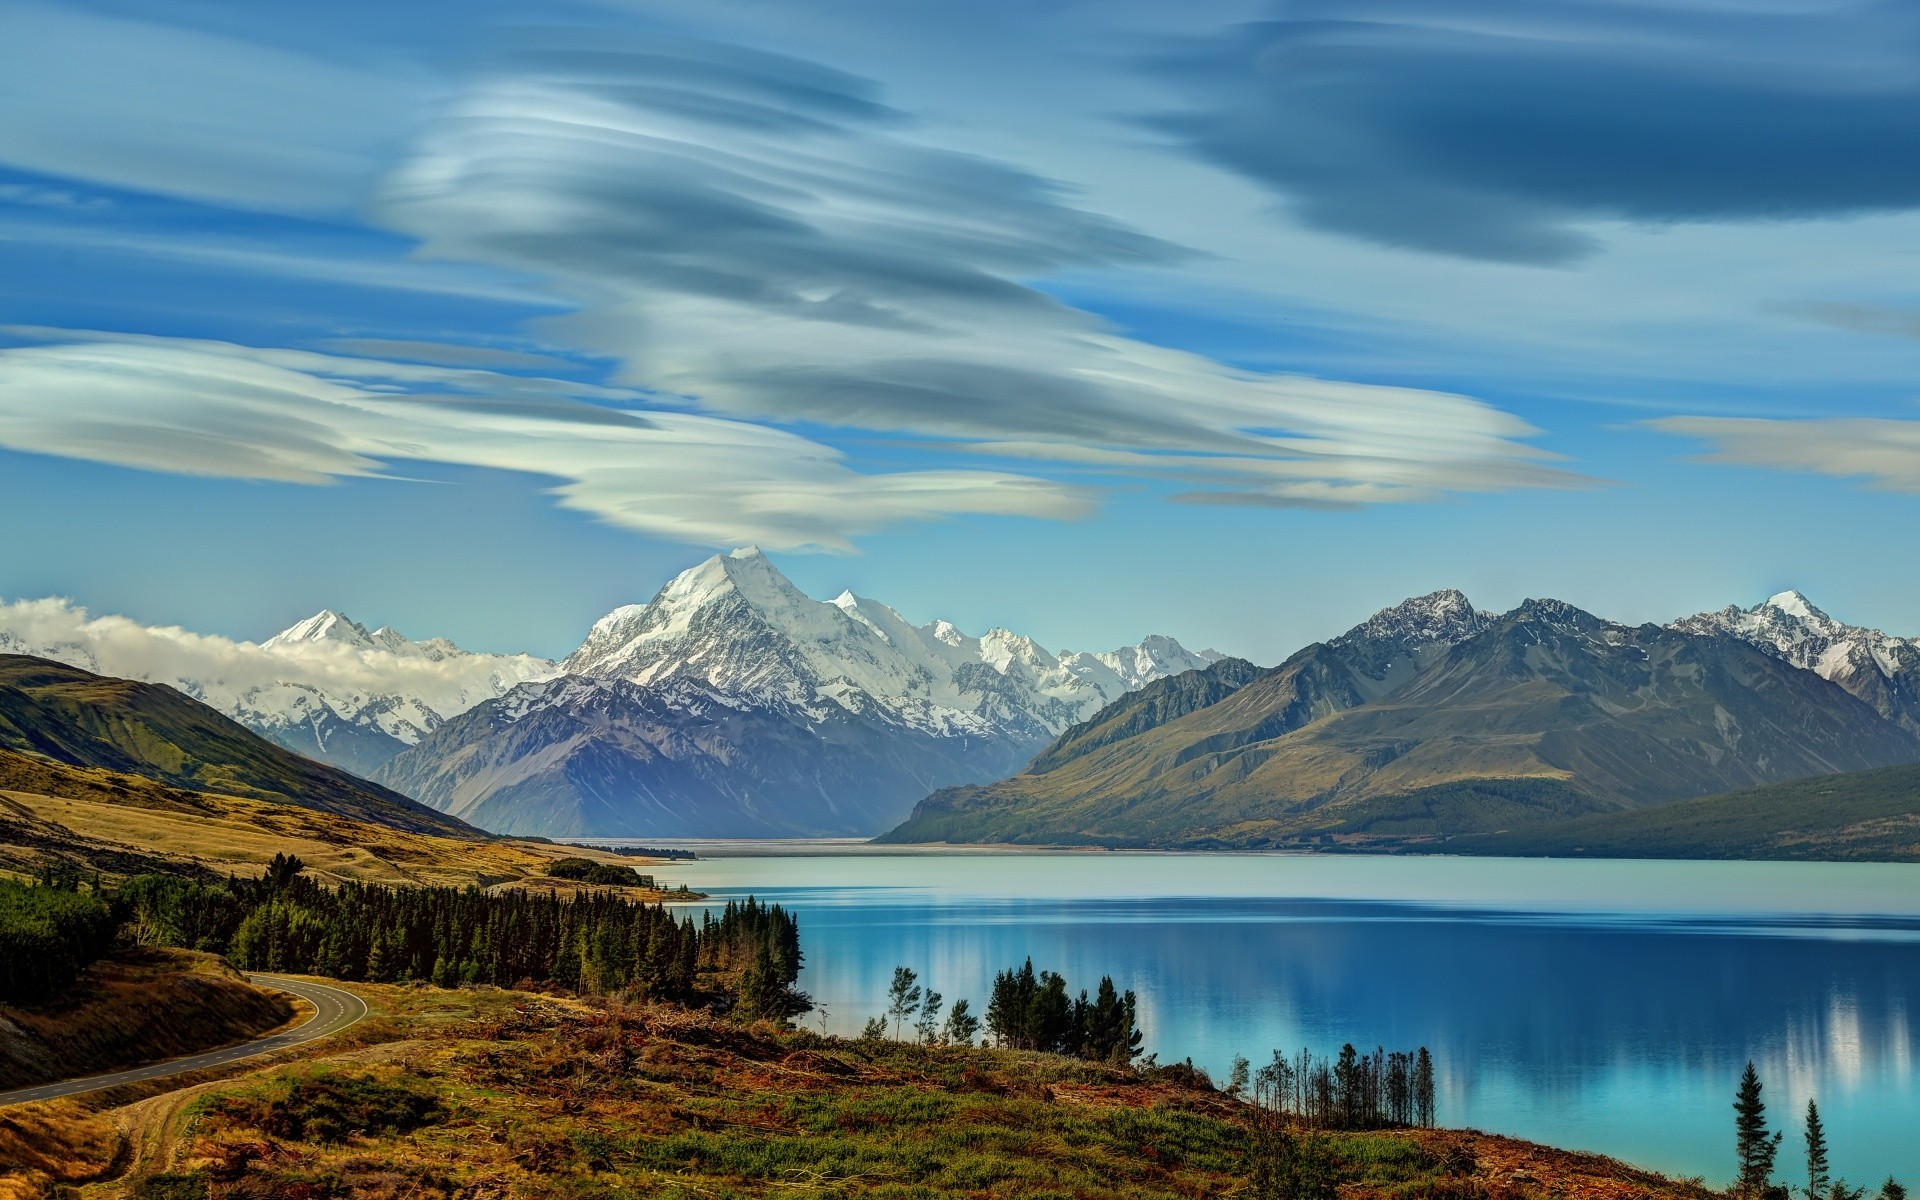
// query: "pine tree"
[[1754, 1147], [1893, 1189], [928, 1026], [963, 1026], [1817, 1175], [903, 997], [1423, 1114]]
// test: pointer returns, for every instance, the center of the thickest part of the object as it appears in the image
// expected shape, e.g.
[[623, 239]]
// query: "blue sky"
[[1229, 320]]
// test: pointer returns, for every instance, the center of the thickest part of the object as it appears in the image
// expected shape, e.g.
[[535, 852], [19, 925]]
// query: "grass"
[[126, 825], [134, 1008], [490, 1093]]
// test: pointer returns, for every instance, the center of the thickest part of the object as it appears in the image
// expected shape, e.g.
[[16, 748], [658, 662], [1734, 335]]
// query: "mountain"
[[1879, 668], [1873, 815], [71, 716], [735, 705], [327, 688], [1434, 719]]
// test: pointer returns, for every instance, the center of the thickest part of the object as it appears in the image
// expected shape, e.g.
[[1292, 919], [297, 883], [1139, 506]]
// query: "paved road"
[[334, 1010]]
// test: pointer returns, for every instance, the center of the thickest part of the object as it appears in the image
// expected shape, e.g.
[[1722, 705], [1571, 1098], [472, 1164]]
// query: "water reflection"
[[1621, 1031]]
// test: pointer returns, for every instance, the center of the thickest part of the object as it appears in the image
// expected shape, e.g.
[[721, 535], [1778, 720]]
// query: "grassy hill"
[[1859, 815], [121, 825], [75, 717]]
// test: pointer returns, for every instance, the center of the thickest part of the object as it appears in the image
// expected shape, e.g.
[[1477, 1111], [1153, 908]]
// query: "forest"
[[743, 960]]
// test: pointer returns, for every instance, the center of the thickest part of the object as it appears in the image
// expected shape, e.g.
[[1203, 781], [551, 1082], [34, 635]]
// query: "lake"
[[1605, 1006]]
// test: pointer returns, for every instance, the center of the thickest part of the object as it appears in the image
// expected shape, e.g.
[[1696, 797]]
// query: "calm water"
[[1601, 1005]]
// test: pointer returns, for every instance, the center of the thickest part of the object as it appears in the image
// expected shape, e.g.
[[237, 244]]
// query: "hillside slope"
[[1542, 715], [73, 716], [1861, 815]]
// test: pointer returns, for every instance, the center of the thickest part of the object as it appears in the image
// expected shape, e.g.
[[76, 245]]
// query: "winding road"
[[334, 1010]]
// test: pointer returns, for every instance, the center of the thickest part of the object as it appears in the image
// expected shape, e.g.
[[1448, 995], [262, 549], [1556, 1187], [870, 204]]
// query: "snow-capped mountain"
[[736, 624], [327, 687], [1441, 617], [1880, 668], [733, 704]]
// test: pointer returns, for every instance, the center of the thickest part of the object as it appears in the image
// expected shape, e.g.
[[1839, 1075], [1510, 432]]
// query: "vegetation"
[[1869, 815], [49, 932], [132, 1007], [545, 1098], [648, 852], [1029, 1011], [585, 870], [591, 942], [67, 715], [1353, 1091], [1755, 1149]]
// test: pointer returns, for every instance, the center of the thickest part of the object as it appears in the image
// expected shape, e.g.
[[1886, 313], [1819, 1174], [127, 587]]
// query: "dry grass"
[[134, 1008], [537, 1097], [122, 824]]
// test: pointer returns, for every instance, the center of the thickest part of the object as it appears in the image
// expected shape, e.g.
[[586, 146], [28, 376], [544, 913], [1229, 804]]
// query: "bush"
[[330, 1107], [48, 935]]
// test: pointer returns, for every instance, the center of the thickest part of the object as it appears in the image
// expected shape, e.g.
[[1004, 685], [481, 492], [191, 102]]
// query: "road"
[[334, 1010]]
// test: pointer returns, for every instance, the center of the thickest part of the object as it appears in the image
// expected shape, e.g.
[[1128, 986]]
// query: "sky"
[[1229, 320]]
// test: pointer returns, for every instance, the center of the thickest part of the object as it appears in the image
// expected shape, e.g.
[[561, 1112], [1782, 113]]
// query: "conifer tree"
[[963, 1026], [1423, 1114], [1754, 1147], [903, 997], [1817, 1174], [928, 1026], [1893, 1189]]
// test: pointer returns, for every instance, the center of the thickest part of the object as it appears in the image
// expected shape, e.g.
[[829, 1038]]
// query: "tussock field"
[[490, 1093], [125, 824]]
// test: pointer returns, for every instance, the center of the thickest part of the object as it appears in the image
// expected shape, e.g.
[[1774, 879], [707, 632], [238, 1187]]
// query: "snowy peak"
[[1879, 668], [735, 624], [1437, 618], [324, 626]]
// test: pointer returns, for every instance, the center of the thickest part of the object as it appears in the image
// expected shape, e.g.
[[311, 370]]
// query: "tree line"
[[50, 931], [1387, 1089], [1756, 1147], [744, 960], [1027, 1010]]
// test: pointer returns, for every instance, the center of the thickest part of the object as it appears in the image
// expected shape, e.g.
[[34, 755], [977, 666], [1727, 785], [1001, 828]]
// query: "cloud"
[[1883, 452], [233, 675], [1495, 129], [769, 240], [217, 409]]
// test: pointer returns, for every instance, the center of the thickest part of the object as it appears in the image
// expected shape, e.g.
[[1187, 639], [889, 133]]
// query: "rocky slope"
[[1879, 668], [1433, 719], [733, 705]]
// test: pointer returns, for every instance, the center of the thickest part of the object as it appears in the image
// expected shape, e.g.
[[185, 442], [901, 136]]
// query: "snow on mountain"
[[326, 687], [1444, 616], [737, 625], [1880, 668]]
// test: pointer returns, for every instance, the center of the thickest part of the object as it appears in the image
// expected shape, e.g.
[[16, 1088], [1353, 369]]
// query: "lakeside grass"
[[491, 1093]]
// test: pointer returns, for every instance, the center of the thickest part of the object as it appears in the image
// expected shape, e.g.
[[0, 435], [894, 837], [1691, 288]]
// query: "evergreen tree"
[[1817, 1175], [903, 997], [1240, 1077], [963, 1027], [1892, 1189], [1754, 1147], [928, 1026], [1423, 1108]]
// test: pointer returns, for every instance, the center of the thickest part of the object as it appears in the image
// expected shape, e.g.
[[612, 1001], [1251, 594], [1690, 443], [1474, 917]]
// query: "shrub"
[[330, 1107]]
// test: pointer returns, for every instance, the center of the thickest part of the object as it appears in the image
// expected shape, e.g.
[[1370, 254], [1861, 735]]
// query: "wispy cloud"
[[217, 409], [769, 239], [1884, 453], [1496, 129]]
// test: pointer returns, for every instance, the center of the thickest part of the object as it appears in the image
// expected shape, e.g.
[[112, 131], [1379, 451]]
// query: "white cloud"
[[765, 237], [247, 679], [1883, 452], [212, 408]]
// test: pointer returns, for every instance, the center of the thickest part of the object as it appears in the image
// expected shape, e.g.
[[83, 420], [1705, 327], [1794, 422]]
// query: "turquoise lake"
[[1605, 1006]]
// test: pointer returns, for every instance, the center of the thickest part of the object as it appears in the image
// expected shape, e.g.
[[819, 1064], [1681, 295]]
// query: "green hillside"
[[1859, 815], [76, 717]]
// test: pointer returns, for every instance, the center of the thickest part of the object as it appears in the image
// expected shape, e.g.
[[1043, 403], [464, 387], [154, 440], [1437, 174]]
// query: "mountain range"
[[732, 704], [1434, 719]]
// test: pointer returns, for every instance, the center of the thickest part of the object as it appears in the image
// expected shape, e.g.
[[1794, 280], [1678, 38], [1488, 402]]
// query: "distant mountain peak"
[[1548, 611], [1794, 603], [326, 625], [1443, 616]]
